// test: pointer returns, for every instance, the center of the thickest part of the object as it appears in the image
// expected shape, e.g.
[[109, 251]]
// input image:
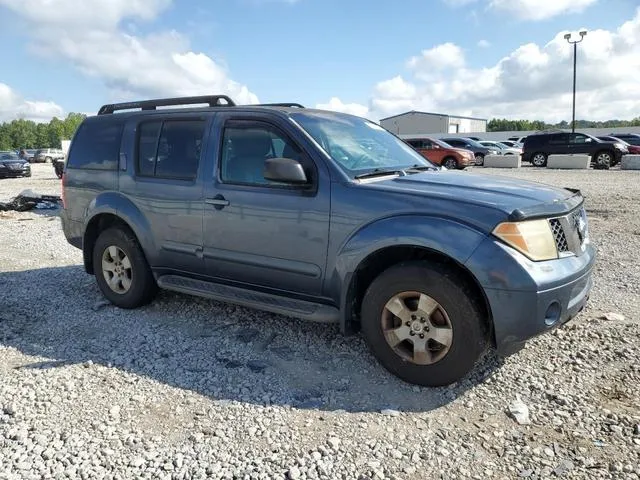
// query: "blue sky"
[[374, 58]]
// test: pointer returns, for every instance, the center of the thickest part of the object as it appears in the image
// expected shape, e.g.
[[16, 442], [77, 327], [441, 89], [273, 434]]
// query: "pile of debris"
[[28, 200]]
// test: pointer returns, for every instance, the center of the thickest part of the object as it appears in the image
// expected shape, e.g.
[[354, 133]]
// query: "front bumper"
[[11, 173], [529, 298]]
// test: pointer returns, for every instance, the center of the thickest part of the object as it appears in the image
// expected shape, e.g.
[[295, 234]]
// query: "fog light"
[[553, 314]]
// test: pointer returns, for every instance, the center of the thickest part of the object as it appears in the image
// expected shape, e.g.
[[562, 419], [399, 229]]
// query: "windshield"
[[441, 143], [358, 145], [9, 156], [473, 143]]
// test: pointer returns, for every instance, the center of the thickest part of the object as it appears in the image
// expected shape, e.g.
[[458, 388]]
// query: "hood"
[[519, 199]]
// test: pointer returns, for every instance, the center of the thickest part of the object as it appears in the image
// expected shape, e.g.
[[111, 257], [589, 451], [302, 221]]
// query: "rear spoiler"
[[546, 210]]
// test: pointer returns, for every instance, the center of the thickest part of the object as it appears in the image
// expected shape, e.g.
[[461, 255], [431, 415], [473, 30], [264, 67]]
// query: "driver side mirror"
[[285, 170]]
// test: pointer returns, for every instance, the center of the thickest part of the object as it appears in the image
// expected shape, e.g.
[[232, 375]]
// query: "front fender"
[[119, 205], [445, 236]]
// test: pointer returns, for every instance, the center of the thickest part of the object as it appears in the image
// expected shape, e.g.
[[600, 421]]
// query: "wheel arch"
[[384, 258]]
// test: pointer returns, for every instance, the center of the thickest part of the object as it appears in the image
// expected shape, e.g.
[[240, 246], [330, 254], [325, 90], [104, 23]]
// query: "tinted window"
[[415, 143], [246, 146], [96, 145], [170, 149], [147, 147], [558, 138], [579, 138]]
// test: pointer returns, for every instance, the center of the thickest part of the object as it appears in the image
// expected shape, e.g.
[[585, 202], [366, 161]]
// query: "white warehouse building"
[[423, 123]]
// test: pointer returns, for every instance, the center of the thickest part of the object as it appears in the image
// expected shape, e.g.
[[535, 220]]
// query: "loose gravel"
[[189, 388]]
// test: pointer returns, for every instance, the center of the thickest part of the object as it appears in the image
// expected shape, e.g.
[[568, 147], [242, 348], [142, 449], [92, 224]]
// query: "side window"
[[96, 146], [579, 138], [427, 144], [170, 149], [245, 148], [558, 139], [148, 147], [415, 143]]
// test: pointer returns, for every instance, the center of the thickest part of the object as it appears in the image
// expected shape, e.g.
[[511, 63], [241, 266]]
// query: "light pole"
[[575, 43]]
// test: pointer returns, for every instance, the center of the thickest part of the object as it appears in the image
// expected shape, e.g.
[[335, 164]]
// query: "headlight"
[[493, 152], [620, 146], [532, 238]]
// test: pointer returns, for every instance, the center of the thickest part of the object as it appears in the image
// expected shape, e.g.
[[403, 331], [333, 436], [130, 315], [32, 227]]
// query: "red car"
[[633, 149], [441, 153]]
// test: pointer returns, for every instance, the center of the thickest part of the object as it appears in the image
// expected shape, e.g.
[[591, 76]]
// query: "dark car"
[[327, 217], [479, 150], [633, 149], [11, 165], [631, 138], [539, 146]]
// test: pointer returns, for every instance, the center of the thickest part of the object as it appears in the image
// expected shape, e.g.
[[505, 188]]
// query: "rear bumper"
[[528, 298], [73, 231]]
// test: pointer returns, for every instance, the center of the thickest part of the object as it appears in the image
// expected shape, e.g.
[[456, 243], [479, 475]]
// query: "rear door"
[[557, 143], [163, 183], [580, 143]]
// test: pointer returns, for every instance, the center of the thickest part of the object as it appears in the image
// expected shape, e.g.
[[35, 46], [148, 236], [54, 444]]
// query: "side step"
[[315, 312]]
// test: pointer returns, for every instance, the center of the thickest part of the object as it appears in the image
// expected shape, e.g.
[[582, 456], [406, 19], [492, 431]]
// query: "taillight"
[[64, 204]]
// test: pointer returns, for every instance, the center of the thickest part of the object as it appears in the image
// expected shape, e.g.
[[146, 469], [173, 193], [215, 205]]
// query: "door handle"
[[219, 202]]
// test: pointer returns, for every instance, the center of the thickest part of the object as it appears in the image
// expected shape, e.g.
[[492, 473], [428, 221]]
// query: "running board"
[[315, 312]]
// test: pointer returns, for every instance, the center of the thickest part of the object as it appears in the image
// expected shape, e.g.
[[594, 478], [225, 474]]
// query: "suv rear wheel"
[[539, 159], [121, 270], [421, 322]]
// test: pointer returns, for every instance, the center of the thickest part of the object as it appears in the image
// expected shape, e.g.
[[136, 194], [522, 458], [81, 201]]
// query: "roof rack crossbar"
[[284, 104], [211, 100]]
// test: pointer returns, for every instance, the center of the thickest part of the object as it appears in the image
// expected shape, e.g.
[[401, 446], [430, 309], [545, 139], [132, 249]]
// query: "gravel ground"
[[190, 388]]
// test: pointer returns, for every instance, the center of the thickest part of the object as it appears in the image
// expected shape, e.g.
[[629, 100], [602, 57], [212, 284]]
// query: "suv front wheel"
[[121, 269], [604, 160], [422, 323], [539, 159]]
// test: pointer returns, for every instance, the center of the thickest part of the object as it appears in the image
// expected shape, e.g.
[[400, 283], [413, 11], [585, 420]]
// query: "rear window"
[[96, 146]]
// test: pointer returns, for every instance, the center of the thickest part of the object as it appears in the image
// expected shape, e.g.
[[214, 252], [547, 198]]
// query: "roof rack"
[[296, 105], [212, 100]]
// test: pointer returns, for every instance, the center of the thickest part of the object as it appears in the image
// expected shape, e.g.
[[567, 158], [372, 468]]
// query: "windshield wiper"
[[420, 168], [380, 172]]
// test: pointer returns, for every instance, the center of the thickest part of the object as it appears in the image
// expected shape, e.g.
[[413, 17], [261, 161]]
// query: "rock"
[[114, 411], [519, 411], [10, 409], [257, 366], [390, 412], [617, 429], [334, 442], [563, 467], [137, 462], [395, 454], [636, 429], [294, 473], [613, 317]]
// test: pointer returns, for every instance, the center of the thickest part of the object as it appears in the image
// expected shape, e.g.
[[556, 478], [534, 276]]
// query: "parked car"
[[441, 153], [283, 209], [631, 138], [501, 148], [48, 155], [633, 149], [539, 146], [11, 165], [27, 154], [519, 140], [479, 150]]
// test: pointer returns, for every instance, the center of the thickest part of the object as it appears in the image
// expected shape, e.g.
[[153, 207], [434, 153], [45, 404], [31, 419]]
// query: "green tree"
[[55, 133]]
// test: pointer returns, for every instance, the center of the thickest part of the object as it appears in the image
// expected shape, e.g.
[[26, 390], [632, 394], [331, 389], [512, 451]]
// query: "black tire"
[[539, 159], [604, 159], [452, 292], [450, 163], [479, 159], [143, 287]]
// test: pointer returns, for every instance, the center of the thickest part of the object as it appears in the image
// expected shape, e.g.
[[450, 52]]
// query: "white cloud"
[[89, 34], [13, 106], [540, 9], [484, 43], [533, 10], [534, 81], [336, 105]]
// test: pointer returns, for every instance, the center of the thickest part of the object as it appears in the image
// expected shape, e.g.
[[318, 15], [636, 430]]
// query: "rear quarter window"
[[96, 146]]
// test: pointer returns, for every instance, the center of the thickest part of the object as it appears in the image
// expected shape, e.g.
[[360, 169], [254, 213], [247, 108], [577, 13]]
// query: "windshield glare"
[[358, 145]]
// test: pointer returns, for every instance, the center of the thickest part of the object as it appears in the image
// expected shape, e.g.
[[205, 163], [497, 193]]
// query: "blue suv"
[[327, 217]]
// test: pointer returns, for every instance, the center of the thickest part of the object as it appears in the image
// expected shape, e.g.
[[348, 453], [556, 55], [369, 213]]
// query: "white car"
[[501, 148]]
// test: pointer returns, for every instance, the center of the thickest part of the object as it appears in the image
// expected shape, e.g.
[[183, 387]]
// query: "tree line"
[[504, 125], [29, 134]]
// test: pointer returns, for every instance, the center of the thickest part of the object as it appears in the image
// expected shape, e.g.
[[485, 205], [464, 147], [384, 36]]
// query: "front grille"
[[559, 236], [570, 232]]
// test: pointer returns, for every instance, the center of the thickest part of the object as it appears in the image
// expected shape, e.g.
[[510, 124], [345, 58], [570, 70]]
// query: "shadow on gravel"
[[224, 352]]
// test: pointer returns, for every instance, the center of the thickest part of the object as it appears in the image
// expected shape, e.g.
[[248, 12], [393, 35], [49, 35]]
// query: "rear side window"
[[170, 149], [96, 146]]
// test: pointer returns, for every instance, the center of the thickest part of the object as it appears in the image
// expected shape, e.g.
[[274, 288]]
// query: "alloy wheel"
[[116, 269]]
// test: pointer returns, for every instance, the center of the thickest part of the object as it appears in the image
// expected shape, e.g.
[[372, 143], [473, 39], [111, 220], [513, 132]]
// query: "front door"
[[256, 231]]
